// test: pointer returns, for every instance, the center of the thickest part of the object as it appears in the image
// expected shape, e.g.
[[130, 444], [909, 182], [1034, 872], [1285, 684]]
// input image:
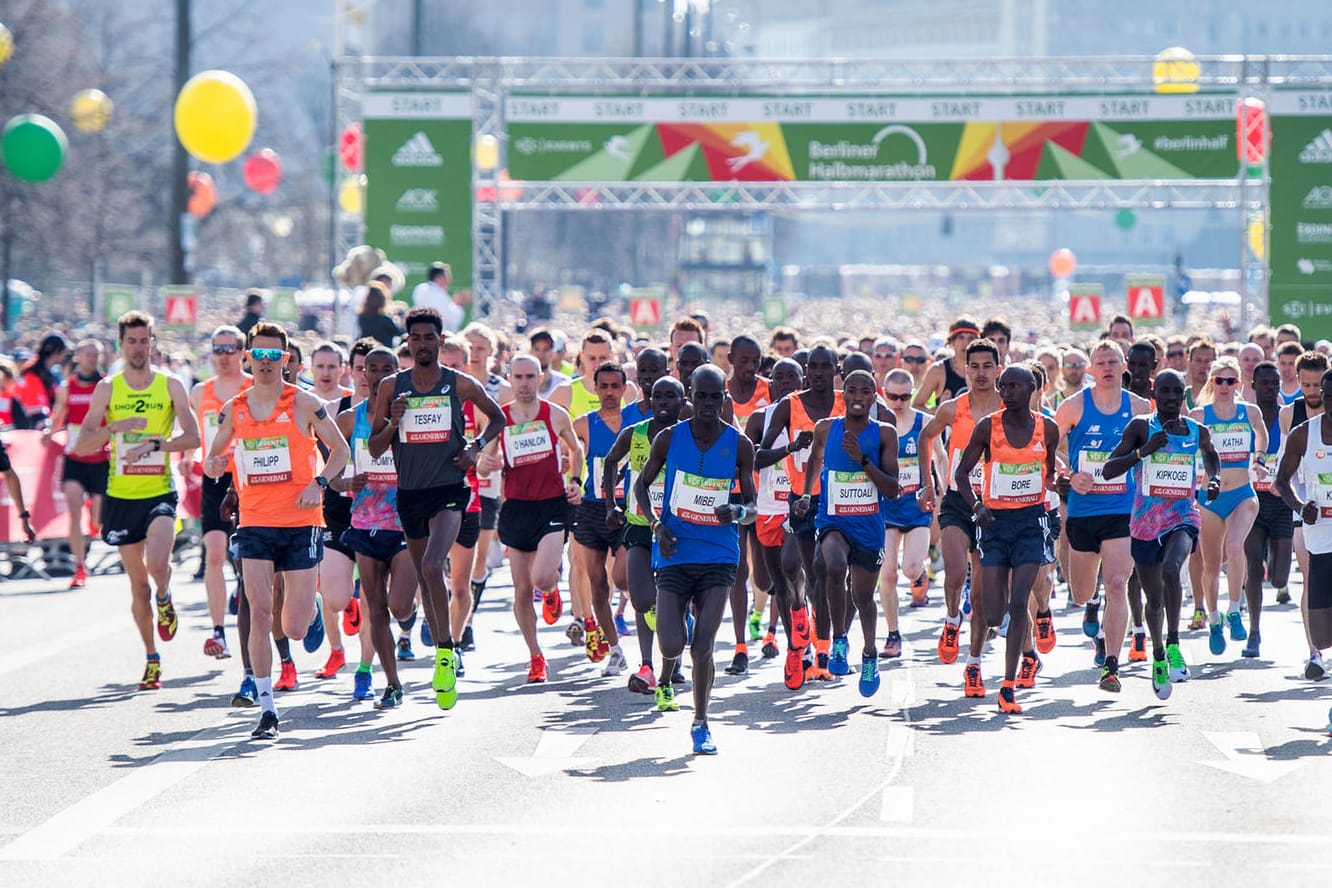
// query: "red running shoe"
[[287, 679], [336, 660], [536, 673], [800, 627], [351, 617], [552, 606]]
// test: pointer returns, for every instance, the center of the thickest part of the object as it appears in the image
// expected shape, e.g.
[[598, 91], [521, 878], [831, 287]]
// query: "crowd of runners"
[[788, 483]]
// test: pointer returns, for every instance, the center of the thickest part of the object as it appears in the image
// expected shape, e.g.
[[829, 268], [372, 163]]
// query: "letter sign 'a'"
[[1084, 310], [645, 312], [1146, 303], [181, 311]]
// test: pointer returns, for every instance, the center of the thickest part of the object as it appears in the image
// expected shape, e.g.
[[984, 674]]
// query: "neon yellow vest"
[[150, 476]]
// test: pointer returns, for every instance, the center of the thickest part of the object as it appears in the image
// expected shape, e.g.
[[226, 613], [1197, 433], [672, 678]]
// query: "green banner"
[[1300, 250], [418, 167], [774, 311], [282, 305], [118, 300]]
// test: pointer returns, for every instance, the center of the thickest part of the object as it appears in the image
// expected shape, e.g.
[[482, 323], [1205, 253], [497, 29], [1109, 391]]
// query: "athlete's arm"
[[346, 422], [1285, 416], [96, 432], [382, 422], [942, 419], [563, 394], [1125, 455], [744, 466], [15, 488], [471, 390], [884, 475], [930, 385], [1052, 443], [656, 461], [560, 422], [1259, 432], [57, 411], [1211, 462], [610, 472], [315, 415], [781, 418], [814, 464], [1296, 444], [728, 410], [977, 447]]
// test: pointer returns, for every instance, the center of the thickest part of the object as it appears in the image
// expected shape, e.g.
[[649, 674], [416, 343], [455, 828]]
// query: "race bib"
[[427, 420], [774, 491], [850, 494], [1322, 494], [1232, 440], [694, 498], [1016, 483], [800, 459], [1263, 480], [489, 486], [1093, 463], [264, 460], [209, 429], [977, 475], [71, 436], [151, 463], [1169, 475], [527, 442], [598, 474], [908, 474], [376, 471]]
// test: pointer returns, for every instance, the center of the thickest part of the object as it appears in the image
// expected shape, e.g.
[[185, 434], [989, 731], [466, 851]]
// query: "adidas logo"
[[1319, 149], [417, 152], [418, 200], [283, 417], [1038, 448]]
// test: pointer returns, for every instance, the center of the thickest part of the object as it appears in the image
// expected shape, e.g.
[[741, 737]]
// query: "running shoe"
[[1314, 670], [739, 664], [1099, 657], [216, 646], [948, 642], [1216, 638], [167, 624], [233, 602], [1008, 703], [1329, 722], [248, 695], [920, 588], [1045, 633], [536, 671], [1091, 618], [457, 656], [1283, 595], [595, 642], [152, 676], [795, 669], [665, 695], [392, 698], [287, 680], [770, 649], [427, 637], [935, 564], [800, 627], [467, 642], [1236, 624], [1028, 670], [643, 681], [1179, 670], [1199, 620], [869, 675], [819, 671], [80, 579], [361, 689], [838, 660], [1161, 679], [972, 683], [1138, 649], [351, 616], [267, 728], [552, 606], [622, 626], [755, 625], [615, 663], [333, 665], [405, 651], [702, 738], [892, 646], [1110, 681], [445, 679], [1251, 649], [966, 598], [575, 632], [314, 636], [650, 618]]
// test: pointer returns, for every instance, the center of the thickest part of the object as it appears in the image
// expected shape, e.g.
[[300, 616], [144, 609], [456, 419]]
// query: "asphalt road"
[[580, 782]]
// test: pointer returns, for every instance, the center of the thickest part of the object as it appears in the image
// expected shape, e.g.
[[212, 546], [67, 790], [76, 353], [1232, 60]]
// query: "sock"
[[1030, 655], [219, 632], [1158, 653], [1172, 638], [973, 661], [756, 614], [163, 599], [265, 686], [894, 635], [1100, 634], [154, 658], [1112, 664], [740, 648], [1215, 618], [249, 673], [363, 668], [698, 724], [284, 649], [1234, 608], [954, 621], [1042, 614], [1139, 629]]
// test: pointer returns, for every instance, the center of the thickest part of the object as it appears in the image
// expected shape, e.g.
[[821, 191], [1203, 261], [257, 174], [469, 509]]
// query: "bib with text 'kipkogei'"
[[1169, 475]]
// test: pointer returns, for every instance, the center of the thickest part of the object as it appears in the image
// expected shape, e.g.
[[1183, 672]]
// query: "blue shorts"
[[1017, 536], [377, 545], [1227, 501], [289, 548]]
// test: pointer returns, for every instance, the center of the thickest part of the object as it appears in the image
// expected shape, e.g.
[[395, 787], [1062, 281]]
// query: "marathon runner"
[[83, 478]]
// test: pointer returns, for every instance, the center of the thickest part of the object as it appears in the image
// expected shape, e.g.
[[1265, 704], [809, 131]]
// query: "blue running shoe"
[[837, 663], [314, 636], [966, 598], [1091, 619], [869, 676], [689, 628], [1216, 638], [622, 626], [426, 638], [1003, 625], [703, 744], [248, 695], [1329, 722], [405, 651], [361, 689], [1099, 659], [1237, 630]]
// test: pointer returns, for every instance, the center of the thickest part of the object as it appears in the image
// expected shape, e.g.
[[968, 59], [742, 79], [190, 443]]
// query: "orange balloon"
[[1063, 263], [203, 194]]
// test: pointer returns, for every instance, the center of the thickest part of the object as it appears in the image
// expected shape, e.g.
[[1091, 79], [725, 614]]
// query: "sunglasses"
[[1075, 366], [226, 349], [892, 397], [272, 355], [1224, 380], [912, 359]]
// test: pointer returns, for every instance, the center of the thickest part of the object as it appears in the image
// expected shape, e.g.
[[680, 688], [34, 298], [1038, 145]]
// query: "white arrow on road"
[[1246, 757], [555, 752]]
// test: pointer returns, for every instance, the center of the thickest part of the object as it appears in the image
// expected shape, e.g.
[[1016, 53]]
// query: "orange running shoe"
[[536, 673], [336, 660], [1008, 703], [1138, 650], [770, 649], [948, 642], [972, 684], [795, 669], [287, 679], [800, 627], [1045, 633], [552, 606], [351, 617], [1027, 672], [818, 671], [1199, 620], [920, 588], [80, 580]]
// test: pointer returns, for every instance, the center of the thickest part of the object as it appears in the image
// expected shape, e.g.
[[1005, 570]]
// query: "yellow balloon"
[[6, 45], [215, 116], [91, 110], [1175, 71], [350, 197]]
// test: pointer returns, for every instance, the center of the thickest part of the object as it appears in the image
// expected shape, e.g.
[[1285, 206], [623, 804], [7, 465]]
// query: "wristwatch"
[[864, 460], [322, 482]]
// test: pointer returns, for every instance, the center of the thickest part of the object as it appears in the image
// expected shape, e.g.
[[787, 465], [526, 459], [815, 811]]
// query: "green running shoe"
[[1161, 679], [666, 698], [1179, 671]]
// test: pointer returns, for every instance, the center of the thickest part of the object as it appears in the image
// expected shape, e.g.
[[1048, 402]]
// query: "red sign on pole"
[[645, 312], [1146, 299], [1084, 306], [181, 308]]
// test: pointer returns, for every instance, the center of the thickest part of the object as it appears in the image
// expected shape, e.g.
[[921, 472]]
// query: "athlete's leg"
[[1116, 564], [893, 542], [375, 612], [709, 605], [643, 593], [78, 543], [1255, 551], [259, 592], [141, 604], [759, 575], [429, 555], [157, 553], [335, 588], [955, 545], [215, 578], [862, 592], [739, 594], [520, 566], [1237, 531], [598, 589], [833, 551], [1213, 545], [460, 581]]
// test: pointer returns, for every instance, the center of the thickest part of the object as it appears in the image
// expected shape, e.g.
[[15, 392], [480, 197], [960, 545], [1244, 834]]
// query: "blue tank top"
[[905, 511], [599, 441], [1090, 443], [696, 483], [850, 501], [632, 414], [1290, 399], [1232, 438], [1164, 498]]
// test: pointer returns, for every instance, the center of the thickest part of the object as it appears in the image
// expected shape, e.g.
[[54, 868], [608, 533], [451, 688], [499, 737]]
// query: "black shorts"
[[1017, 536], [289, 548], [210, 504], [377, 545], [1152, 552], [523, 524], [802, 526], [489, 512], [954, 513], [590, 528], [469, 531], [125, 521], [417, 507], [90, 476], [861, 556], [1274, 517], [688, 580], [1086, 533], [637, 536], [333, 539]]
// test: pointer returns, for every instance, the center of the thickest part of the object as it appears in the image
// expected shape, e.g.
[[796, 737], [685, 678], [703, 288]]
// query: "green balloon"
[[33, 147], [1126, 219]]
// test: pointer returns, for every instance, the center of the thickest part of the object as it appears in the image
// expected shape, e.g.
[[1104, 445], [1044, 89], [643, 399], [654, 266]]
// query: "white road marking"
[[899, 804], [1246, 756], [555, 752]]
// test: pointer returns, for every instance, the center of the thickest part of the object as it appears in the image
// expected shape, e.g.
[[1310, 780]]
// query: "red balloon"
[[351, 148], [263, 171], [203, 194]]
